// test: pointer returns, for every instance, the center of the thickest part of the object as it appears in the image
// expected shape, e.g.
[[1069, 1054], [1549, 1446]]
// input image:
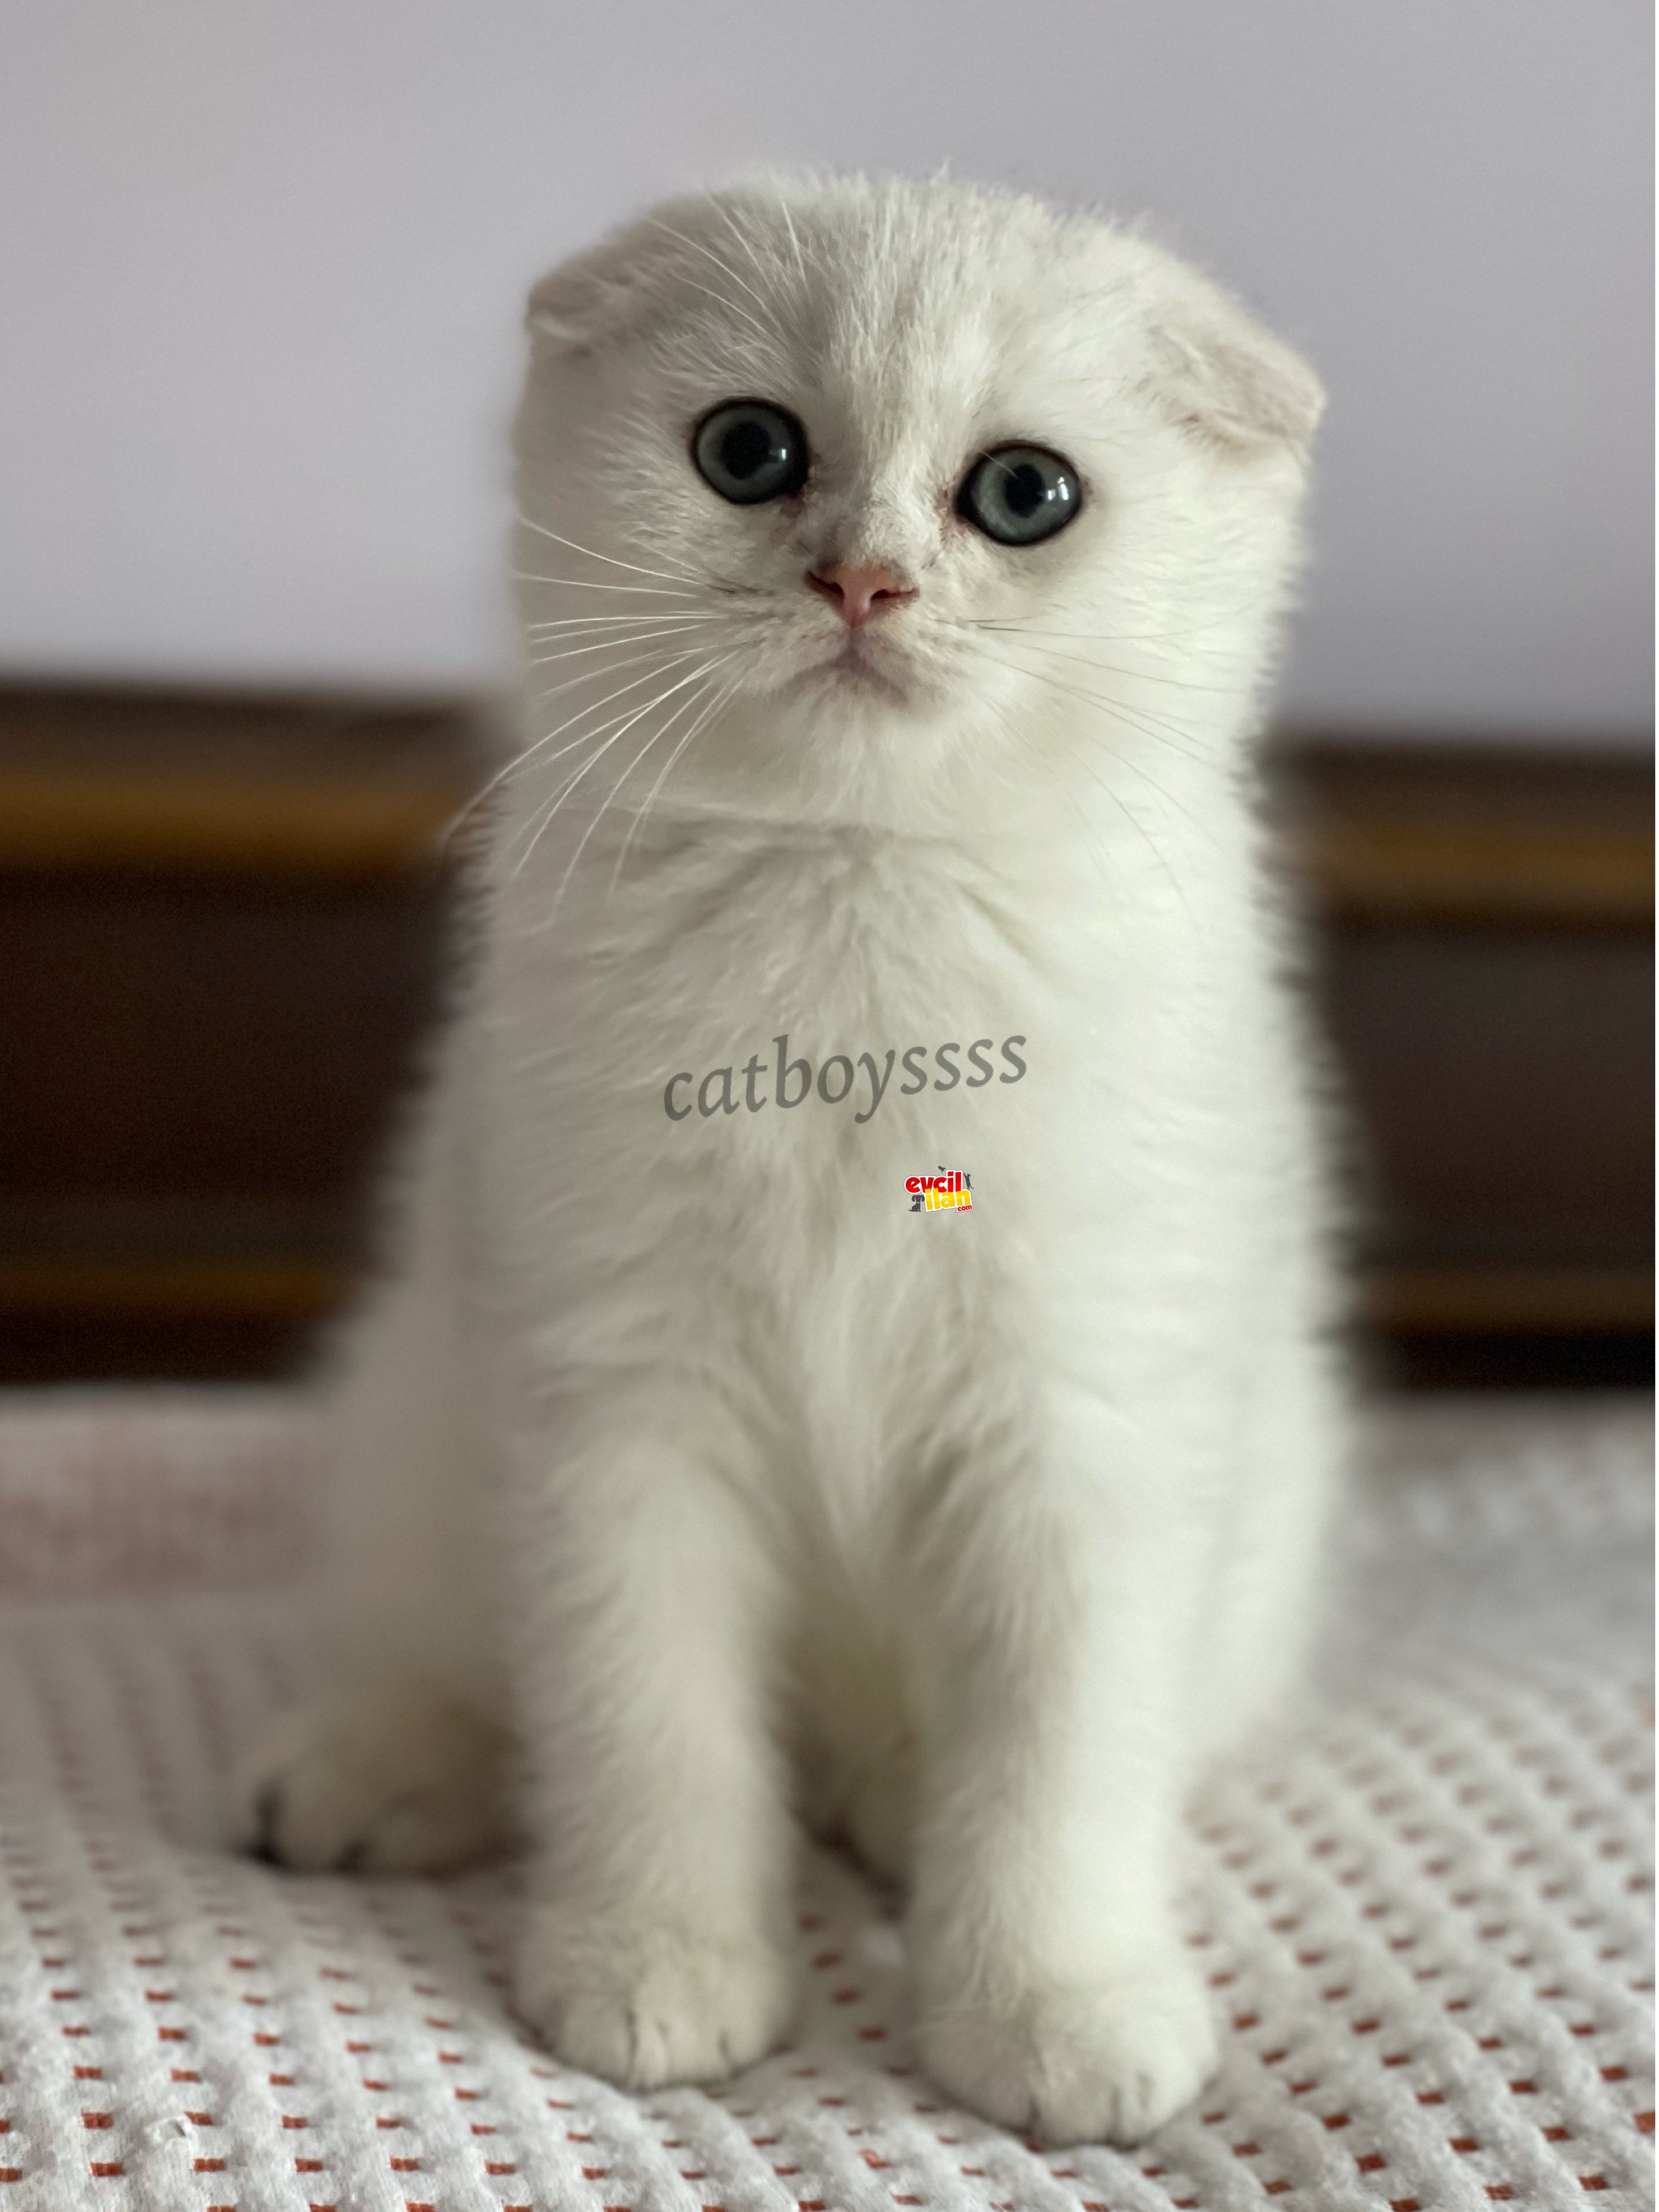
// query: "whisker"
[[1204, 831], [542, 815], [665, 659], [1119, 708], [1163, 637], [663, 662], [522, 759], [570, 866], [1102, 860], [695, 702], [1159, 727], [1135, 823], [603, 617], [1129, 717], [1132, 675], [576, 584], [603, 622], [700, 724], [592, 761], [670, 576], [602, 669], [1125, 717], [567, 652]]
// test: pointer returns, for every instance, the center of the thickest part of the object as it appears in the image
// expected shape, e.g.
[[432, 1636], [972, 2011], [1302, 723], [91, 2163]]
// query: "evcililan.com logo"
[[949, 1191]]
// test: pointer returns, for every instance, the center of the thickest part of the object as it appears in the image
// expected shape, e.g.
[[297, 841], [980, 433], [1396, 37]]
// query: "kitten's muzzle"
[[858, 595]]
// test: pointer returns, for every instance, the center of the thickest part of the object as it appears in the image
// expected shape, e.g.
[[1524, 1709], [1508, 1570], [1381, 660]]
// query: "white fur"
[[974, 1536]]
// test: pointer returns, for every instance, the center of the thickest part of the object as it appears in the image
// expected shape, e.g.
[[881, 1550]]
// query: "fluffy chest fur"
[[699, 1094]]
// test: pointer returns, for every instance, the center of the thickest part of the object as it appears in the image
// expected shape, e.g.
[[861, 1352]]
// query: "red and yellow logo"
[[949, 1191]]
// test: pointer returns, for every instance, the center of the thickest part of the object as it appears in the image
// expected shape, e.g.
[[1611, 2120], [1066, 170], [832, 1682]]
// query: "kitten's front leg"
[[1055, 1990], [644, 1650]]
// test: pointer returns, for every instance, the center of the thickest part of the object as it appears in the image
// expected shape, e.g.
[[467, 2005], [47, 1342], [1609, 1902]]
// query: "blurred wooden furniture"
[[222, 922], [1484, 961]]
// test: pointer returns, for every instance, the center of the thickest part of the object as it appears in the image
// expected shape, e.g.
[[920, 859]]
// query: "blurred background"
[[262, 270]]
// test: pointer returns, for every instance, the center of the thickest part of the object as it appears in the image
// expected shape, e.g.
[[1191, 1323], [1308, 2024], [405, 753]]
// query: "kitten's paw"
[[644, 2003], [1106, 2061], [374, 1777]]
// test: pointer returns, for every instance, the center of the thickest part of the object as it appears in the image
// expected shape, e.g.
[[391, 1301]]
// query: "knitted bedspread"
[[1424, 1913]]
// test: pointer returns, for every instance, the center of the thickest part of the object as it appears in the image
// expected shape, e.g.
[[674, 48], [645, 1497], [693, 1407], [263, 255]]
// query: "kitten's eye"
[[1019, 494], [748, 452]]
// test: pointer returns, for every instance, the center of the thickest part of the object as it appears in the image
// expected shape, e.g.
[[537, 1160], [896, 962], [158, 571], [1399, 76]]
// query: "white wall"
[[260, 270]]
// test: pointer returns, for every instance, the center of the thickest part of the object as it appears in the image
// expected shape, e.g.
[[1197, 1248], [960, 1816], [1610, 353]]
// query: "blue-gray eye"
[[749, 450], [1019, 494]]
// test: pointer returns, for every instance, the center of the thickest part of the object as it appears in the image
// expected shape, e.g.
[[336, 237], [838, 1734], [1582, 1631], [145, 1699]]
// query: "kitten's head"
[[839, 487]]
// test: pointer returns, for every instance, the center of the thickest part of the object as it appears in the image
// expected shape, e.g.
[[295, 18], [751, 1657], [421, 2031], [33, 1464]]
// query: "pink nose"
[[856, 594]]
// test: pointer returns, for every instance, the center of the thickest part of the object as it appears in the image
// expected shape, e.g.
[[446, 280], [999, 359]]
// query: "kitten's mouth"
[[857, 664]]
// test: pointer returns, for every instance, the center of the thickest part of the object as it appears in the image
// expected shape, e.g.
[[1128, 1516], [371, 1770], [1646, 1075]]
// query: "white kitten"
[[679, 1443]]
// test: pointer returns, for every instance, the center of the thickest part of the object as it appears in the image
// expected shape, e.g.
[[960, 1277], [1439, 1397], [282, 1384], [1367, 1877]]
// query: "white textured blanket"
[[1425, 1915]]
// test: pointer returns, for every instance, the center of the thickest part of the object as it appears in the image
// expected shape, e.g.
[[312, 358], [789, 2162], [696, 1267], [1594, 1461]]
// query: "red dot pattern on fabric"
[[1426, 1924]]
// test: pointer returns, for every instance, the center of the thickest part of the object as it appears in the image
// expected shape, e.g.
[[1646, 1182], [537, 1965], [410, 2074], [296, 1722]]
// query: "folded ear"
[[1218, 374], [618, 285], [586, 300]]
